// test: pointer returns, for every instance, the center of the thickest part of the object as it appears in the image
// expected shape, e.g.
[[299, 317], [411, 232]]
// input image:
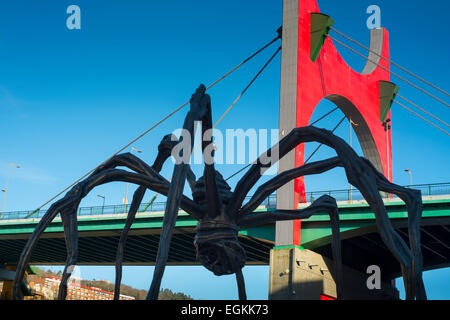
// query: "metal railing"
[[271, 202], [432, 189]]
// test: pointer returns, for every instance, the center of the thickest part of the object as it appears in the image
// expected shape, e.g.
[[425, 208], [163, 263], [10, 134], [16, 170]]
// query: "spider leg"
[[200, 103], [209, 172], [164, 151], [241, 285], [67, 206], [75, 195], [270, 186], [27, 251], [131, 162], [360, 175], [69, 221], [392, 240], [290, 141], [109, 175], [323, 203], [413, 201], [169, 220], [162, 187], [191, 179], [137, 199], [278, 181]]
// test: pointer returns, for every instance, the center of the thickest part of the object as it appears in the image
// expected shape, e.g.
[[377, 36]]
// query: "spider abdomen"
[[218, 247]]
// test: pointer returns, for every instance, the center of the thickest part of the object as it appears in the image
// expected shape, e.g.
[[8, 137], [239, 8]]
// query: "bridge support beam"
[[300, 274]]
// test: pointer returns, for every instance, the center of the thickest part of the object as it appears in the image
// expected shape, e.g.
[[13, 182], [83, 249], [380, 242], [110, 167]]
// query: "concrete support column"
[[288, 108], [7, 278], [297, 274]]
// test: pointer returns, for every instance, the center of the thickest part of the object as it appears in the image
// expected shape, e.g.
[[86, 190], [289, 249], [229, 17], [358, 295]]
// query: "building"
[[47, 288]]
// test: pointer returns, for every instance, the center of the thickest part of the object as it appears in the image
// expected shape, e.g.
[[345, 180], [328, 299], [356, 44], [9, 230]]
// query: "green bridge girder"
[[98, 237]]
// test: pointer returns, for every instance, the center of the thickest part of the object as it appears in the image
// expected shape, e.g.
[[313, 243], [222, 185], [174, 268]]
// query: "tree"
[[167, 294]]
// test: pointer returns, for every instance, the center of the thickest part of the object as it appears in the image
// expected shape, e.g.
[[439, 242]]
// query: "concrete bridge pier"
[[301, 274], [7, 273]]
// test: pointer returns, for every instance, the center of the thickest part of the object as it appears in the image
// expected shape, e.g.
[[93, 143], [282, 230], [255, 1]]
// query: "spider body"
[[218, 247], [221, 211]]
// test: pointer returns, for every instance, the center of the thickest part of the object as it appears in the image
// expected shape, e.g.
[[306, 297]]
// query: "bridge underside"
[[361, 243], [364, 250], [99, 248]]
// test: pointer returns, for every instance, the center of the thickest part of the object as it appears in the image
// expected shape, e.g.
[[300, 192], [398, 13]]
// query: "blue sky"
[[71, 98]]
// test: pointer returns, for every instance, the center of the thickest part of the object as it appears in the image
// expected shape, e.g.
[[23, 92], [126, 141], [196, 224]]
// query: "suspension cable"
[[324, 116], [415, 105], [248, 86], [236, 100], [334, 129], [242, 93], [391, 72], [390, 61], [242, 63], [421, 117], [248, 165], [157, 124], [239, 171]]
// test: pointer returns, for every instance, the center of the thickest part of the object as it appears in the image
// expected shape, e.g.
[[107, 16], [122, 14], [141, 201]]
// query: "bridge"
[[100, 227], [311, 69]]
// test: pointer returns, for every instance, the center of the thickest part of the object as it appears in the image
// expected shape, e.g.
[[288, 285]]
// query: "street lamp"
[[410, 177], [350, 126], [103, 206], [11, 166], [387, 127], [125, 200]]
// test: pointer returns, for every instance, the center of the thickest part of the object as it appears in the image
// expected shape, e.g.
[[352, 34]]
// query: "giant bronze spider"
[[221, 213]]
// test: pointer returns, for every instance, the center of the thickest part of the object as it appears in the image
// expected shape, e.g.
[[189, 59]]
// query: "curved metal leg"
[[390, 237], [297, 136], [74, 196], [413, 201], [337, 253], [241, 285], [200, 104], [137, 199], [27, 251], [367, 179], [69, 220], [280, 180], [164, 150], [169, 220]]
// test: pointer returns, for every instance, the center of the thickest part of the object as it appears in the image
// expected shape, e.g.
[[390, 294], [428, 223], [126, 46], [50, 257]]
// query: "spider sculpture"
[[221, 213]]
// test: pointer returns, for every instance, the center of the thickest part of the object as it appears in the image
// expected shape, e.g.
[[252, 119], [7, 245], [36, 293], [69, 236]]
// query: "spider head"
[[218, 247]]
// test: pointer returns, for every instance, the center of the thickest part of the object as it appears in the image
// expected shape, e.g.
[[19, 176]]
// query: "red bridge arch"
[[304, 83]]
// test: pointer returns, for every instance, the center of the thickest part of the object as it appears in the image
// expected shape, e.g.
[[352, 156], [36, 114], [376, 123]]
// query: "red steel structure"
[[328, 76]]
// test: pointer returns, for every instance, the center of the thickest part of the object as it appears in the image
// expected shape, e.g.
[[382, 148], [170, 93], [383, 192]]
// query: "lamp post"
[[125, 200], [387, 127], [410, 177], [11, 166], [103, 206], [350, 133]]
